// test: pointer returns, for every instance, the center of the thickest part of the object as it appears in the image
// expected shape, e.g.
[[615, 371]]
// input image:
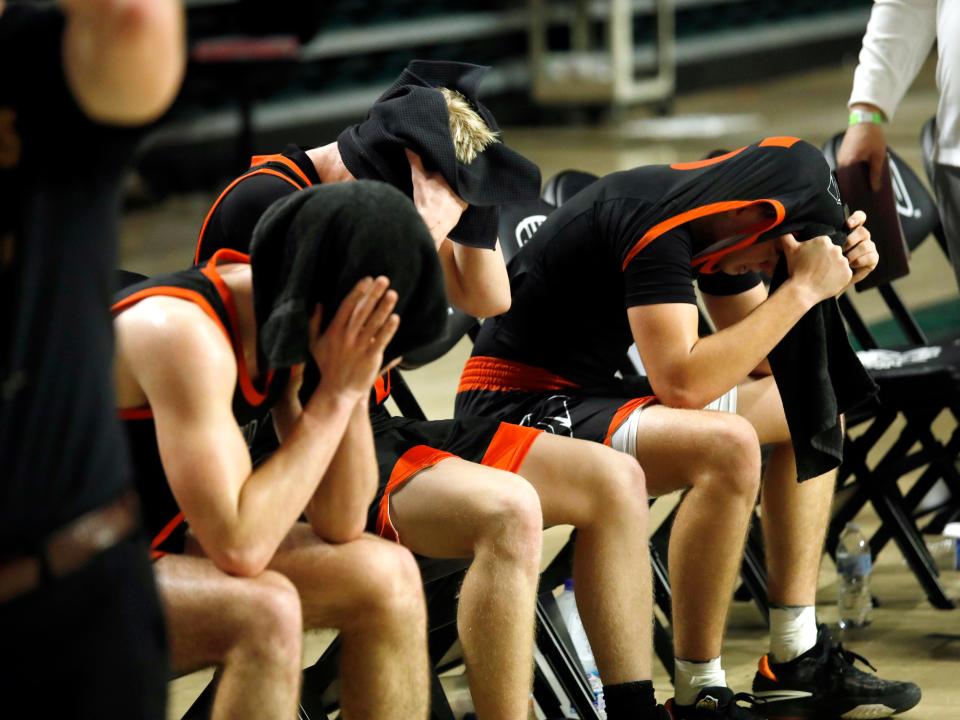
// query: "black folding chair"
[[918, 389]]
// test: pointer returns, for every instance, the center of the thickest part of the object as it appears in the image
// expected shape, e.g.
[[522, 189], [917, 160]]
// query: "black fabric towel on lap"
[[819, 376], [315, 245], [413, 114]]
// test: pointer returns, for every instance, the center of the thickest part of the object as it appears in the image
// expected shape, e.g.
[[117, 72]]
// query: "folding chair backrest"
[[458, 325], [518, 223], [564, 185], [916, 208], [928, 143], [126, 278]]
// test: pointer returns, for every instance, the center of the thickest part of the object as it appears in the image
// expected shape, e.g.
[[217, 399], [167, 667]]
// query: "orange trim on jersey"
[[509, 447], [697, 164], [489, 373], [382, 387], [250, 391], [623, 412], [779, 141], [144, 412], [764, 668], [163, 535], [282, 160], [254, 161], [704, 210], [417, 458]]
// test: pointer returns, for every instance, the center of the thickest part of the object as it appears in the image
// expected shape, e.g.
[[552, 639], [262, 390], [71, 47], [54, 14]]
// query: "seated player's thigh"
[[577, 479], [676, 447], [208, 611], [445, 510], [759, 402]]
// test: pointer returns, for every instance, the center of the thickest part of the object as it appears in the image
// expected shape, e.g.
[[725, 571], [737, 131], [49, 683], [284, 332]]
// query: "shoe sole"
[[785, 710]]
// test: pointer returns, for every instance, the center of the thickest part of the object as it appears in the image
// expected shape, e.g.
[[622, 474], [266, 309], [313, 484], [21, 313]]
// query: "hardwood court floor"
[[908, 638]]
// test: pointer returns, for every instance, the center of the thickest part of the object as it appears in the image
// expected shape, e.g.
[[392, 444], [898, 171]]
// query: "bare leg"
[[461, 509], [795, 515], [717, 456], [602, 493], [250, 627], [370, 590]]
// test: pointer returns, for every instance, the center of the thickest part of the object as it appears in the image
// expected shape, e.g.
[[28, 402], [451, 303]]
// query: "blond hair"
[[470, 133]]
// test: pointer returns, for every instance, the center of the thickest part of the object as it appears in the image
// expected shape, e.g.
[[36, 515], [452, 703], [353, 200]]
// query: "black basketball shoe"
[[715, 703], [823, 683]]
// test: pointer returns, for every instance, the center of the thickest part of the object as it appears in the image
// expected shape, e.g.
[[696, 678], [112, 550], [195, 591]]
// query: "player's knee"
[[392, 589], [620, 482], [513, 526], [733, 458], [273, 621]]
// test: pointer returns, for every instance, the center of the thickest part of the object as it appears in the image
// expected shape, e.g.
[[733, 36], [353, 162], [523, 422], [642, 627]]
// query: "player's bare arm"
[[476, 278], [239, 515], [337, 510], [124, 59], [689, 372]]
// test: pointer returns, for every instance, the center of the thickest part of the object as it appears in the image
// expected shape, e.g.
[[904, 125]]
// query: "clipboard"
[[882, 221]]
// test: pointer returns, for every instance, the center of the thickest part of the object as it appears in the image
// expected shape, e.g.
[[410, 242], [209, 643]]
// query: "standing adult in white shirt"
[[898, 39]]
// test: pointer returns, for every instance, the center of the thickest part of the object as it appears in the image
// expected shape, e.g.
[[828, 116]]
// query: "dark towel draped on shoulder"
[[315, 245], [818, 374], [413, 114]]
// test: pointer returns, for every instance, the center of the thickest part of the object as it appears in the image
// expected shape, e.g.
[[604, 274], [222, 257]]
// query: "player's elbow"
[[338, 530], [677, 393], [242, 560], [486, 304]]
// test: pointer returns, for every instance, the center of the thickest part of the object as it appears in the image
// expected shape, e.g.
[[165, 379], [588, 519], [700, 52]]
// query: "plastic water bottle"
[[945, 552], [853, 569], [568, 609]]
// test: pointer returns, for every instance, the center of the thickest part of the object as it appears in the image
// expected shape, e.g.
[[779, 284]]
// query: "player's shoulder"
[[175, 332]]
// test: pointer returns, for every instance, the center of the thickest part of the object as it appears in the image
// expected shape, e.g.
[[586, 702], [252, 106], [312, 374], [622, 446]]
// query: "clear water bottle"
[[568, 609], [945, 552], [853, 570]]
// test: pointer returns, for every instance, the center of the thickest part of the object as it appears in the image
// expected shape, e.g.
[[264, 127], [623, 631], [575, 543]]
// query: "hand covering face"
[[413, 114]]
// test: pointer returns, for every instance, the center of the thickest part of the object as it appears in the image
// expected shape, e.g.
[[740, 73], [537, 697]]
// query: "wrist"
[[800, 292], [326, 403], [865, 113]]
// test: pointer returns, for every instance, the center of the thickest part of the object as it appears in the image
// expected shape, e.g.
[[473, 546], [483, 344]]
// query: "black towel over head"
[[315, 245], [412, 114], [818, 374]]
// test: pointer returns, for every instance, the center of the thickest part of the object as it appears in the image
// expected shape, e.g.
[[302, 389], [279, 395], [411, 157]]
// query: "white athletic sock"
[[793, 631], [692, 677]]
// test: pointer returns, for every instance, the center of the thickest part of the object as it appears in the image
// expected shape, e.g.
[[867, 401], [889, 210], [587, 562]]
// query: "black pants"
[[89, 645]]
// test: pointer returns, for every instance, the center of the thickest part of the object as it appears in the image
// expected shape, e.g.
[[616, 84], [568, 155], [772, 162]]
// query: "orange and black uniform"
[[552, 360], [251, 404], [234, 214], [403, 446]]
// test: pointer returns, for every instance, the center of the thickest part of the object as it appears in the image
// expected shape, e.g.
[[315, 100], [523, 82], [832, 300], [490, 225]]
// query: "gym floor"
[[908, 639]]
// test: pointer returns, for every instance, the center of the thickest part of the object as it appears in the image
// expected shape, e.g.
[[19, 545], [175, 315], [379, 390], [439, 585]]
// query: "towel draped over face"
[[315, 245], [412, 114]]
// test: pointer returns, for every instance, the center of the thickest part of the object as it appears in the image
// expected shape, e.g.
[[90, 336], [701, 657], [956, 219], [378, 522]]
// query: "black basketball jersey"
[[203, 286]]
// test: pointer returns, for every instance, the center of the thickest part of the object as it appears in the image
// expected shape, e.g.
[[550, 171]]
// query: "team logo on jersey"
[[833, 188], [555, 417], [527, 227], [9, 140], [901, 197]]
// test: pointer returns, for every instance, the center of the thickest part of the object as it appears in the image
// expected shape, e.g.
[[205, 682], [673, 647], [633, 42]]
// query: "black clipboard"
[[883, 222]]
